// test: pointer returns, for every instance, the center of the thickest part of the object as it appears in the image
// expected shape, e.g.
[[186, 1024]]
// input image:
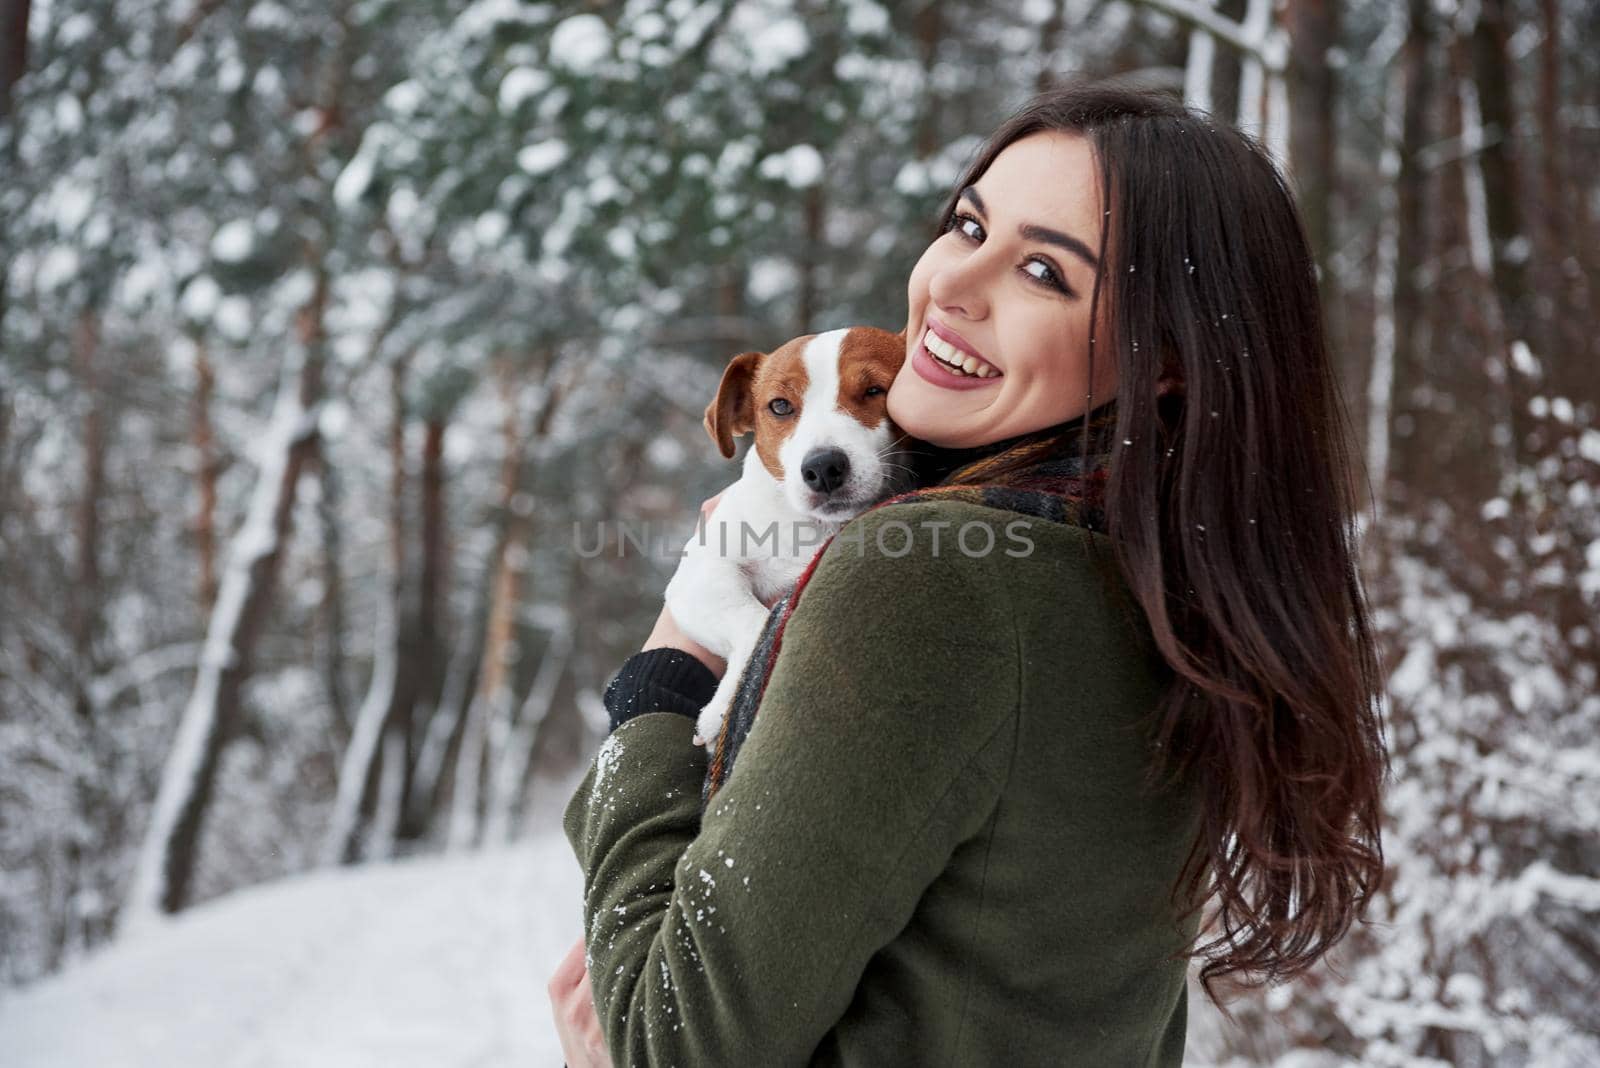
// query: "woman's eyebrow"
[[1041, 233]]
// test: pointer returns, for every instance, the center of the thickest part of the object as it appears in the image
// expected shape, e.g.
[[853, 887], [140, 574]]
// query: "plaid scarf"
[[1038, 474]]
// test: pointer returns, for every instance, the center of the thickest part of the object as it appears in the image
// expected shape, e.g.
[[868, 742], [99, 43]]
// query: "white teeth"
[[954, 358]]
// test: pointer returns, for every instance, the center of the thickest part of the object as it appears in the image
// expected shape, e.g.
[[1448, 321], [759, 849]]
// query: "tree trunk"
[[1252, 76], [1381, 377], [84, 597], [94, 809], [493, 695], [434, 565], [355, 770], [169, 856], [206, 472], [428, 716], [399, 751], [927, 28], [1570, 263], [13, 65], [331, 610], [1049, 33], [386, 709], [489, 716], [13, 49], [813, 252], [446, 726], [1503, 211], [1491, 70], [1225, 77], [510, 774], [1552, 134], [391, 796], [1199, 67], [1313, 27], [1412, 236], [492, 700], [7, 419], [1313, 84], [1585, 237], [730, 300]]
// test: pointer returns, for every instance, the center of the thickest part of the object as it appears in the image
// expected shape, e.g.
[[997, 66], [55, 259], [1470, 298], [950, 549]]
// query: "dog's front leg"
[[711, 600], [708, 727]]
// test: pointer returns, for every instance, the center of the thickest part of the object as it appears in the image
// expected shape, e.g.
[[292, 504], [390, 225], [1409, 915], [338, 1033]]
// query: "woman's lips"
[[954, 340], [931, 370]]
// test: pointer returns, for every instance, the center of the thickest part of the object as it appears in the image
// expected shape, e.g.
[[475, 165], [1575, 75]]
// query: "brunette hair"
[[1231, 501]]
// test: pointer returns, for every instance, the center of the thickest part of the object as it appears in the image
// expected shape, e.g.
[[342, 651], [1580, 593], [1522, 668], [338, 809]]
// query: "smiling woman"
[[990, 790], [997, 328]]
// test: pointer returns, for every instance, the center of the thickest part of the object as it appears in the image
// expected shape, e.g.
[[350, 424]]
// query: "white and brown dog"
[[824, 451]]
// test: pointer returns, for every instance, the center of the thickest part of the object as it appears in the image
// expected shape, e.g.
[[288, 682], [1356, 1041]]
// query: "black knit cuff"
[[659, 680]]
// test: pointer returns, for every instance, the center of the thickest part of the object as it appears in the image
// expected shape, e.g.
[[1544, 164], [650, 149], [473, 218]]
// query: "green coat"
[[933, 849]]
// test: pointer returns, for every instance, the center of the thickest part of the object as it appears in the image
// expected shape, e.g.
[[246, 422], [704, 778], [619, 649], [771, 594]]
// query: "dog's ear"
[[733, 412], [900, 344]]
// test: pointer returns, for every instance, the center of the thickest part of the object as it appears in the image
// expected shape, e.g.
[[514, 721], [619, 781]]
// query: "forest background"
[[326, 325]]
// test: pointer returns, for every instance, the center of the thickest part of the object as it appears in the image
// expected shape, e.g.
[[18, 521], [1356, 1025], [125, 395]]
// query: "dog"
[[824, 451]]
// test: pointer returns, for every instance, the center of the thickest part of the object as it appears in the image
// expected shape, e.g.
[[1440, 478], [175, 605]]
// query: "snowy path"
[[434, 961]]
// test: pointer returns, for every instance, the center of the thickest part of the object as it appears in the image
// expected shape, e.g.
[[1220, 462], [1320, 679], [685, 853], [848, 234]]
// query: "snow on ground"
[[437, 961], [431, 961]]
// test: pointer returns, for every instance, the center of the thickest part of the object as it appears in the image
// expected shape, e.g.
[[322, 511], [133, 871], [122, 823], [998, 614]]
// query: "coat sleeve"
[[882, 743]]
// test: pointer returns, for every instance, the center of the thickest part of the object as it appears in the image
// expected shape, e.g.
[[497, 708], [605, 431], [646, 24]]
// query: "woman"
[[988, 793]]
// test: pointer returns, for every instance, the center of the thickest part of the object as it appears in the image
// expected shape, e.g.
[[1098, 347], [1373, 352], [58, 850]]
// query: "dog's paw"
[[709, 726]]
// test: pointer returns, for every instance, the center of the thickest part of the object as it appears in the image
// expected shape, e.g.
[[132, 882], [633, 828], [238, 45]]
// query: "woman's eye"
[[959, 222], [779, 406], [1047, 277]]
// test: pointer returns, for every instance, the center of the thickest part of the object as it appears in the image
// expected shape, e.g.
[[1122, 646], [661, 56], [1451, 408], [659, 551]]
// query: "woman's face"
[[1008, 286]]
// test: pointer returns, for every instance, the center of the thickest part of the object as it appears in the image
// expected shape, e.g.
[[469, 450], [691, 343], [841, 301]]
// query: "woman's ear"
[[733, 412]]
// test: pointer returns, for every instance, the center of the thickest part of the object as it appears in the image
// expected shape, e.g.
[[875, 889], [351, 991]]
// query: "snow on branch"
[[1264, 41], [141, 669]]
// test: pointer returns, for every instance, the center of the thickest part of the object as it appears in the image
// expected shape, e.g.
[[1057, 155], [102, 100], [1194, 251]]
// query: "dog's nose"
[[825, 470]]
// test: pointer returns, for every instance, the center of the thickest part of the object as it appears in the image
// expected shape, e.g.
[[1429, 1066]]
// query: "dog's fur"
[[809, 471]]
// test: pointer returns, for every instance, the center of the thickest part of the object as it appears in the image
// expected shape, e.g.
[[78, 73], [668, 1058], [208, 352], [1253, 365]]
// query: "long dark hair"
[[1231, 503]]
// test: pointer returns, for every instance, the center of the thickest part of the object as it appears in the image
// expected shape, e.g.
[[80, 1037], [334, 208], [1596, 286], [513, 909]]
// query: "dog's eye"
[[779, 406], [873, 391]]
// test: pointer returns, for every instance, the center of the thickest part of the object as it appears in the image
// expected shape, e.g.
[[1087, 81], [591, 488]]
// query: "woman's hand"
[[667, 634], [572, 1001]]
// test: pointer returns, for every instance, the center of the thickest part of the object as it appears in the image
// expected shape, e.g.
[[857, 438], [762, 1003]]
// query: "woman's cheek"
[[891, 401]]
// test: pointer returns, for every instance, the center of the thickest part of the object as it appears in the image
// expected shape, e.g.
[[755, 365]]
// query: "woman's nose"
[[958, 290]]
